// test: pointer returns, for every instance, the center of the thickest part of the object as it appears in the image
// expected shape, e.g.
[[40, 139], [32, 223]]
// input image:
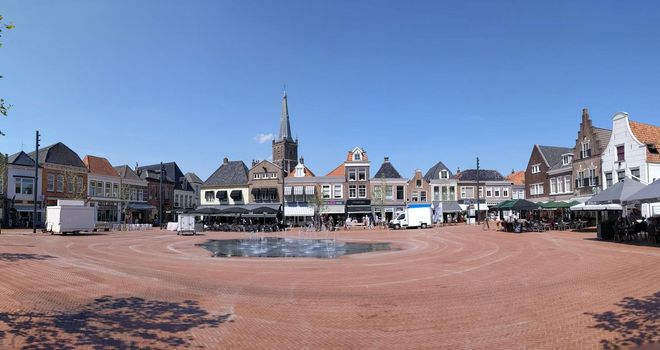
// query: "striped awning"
[[298, 190], [287, 190], [298, 211], [309, 190], [333, 209]]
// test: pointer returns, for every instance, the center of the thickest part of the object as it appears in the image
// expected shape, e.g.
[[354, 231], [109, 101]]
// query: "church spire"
[[285, 127]]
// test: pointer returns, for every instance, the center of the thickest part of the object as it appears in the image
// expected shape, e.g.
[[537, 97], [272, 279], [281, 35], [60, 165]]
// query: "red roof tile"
[[99, 166], [650, 135]]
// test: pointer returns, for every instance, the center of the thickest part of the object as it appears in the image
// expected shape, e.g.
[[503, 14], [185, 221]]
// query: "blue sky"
[[195, 81]]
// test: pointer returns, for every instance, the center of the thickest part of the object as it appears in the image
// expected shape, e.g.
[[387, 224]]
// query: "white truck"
[[415, 215], [70, 216]]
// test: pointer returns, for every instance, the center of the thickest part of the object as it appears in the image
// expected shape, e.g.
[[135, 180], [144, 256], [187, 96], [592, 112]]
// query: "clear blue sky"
[[195, 81]]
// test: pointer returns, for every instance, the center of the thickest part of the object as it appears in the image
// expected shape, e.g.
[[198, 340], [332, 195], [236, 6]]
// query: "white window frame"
[[60, 183], [444, 174], [362, 191], [338, 194], [352, 173], [51, 183], [326, 191], [536, 168], [352, 191], [505, 191], [489, 191], [20, 182], [497, 191]]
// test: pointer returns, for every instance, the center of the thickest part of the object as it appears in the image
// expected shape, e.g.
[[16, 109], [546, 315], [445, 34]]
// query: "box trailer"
[[186, 223], [415, 215], [70, 217]]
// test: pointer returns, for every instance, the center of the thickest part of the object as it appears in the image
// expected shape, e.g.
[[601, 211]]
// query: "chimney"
[[302, 161], [254, 162], [585, 114], [386, 160], [225, 161], [458, 170], [418, 172], [512, 171], [136, 167]]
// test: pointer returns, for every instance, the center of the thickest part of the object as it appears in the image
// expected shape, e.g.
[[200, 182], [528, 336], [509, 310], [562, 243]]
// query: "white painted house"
[[20, 191], [632, 152]]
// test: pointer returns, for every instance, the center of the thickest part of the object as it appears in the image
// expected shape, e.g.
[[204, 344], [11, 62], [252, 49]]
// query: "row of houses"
[[120, 193], [599, 158]]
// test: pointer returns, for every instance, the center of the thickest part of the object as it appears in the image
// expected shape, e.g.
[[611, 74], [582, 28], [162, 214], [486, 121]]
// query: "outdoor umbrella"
[[648, 194], [617, 193], [504, 205], [235, 210], [207, 211], [523, 204], [264, 210]]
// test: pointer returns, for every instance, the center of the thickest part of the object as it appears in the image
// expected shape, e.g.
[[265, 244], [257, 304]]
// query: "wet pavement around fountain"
[[451, 287], [279, 247]]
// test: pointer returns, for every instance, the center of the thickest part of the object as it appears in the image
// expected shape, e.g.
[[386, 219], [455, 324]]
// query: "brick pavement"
[[455, 287]]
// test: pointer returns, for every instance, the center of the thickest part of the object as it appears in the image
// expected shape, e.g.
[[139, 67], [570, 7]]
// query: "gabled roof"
[[649, 135], [484, 175], [602, 136], [338, 171], [308, 173], [552, 154], [125, 172], [193, 178], [21, 158], [172, 171], [99, 166], [434, 172], [60, 154], [517, 178], [229, 173], [361, 151], [387, 171]]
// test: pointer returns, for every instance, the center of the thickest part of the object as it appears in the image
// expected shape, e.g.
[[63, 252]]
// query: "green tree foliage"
[[4, 26]]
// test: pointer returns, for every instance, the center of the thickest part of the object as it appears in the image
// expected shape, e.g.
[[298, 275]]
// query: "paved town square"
[[446, 287]]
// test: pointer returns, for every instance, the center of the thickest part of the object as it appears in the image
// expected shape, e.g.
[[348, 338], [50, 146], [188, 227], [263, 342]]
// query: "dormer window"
[[566, 159], [300, 172], [444, 174], [357, 156]]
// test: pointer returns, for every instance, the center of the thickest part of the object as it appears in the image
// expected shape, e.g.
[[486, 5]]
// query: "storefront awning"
[[309, 190], [482, 207], [140, 206], [221, 195], [236, 194], [333, 209], [298, 211], [28, 208], [256, 191], [358, 209], [298, 190], [287, 190]]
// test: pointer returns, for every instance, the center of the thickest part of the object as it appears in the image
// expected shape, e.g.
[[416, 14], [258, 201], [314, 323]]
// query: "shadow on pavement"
[[637, 322], [13, 257], [111, 323]]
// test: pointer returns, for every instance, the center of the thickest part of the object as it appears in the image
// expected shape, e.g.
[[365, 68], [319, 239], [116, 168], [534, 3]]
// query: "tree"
[[318, 204], [4, 107], [378, 195], [75, 187]]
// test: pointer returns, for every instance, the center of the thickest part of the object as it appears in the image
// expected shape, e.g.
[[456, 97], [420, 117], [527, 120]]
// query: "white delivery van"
[[186, 223], [70, 216], [415, 215]]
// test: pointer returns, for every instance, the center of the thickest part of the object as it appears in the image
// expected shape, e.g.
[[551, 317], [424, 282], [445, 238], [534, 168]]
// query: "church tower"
[[285, 148]]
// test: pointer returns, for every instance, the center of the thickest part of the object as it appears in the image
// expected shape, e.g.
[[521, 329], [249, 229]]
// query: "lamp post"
[[283, 176], [477, 189], [35, 187], [160, 196]]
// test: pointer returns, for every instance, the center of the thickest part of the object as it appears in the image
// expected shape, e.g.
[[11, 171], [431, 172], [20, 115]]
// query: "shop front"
[[138, 213], [107, 211], [356, 209]]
